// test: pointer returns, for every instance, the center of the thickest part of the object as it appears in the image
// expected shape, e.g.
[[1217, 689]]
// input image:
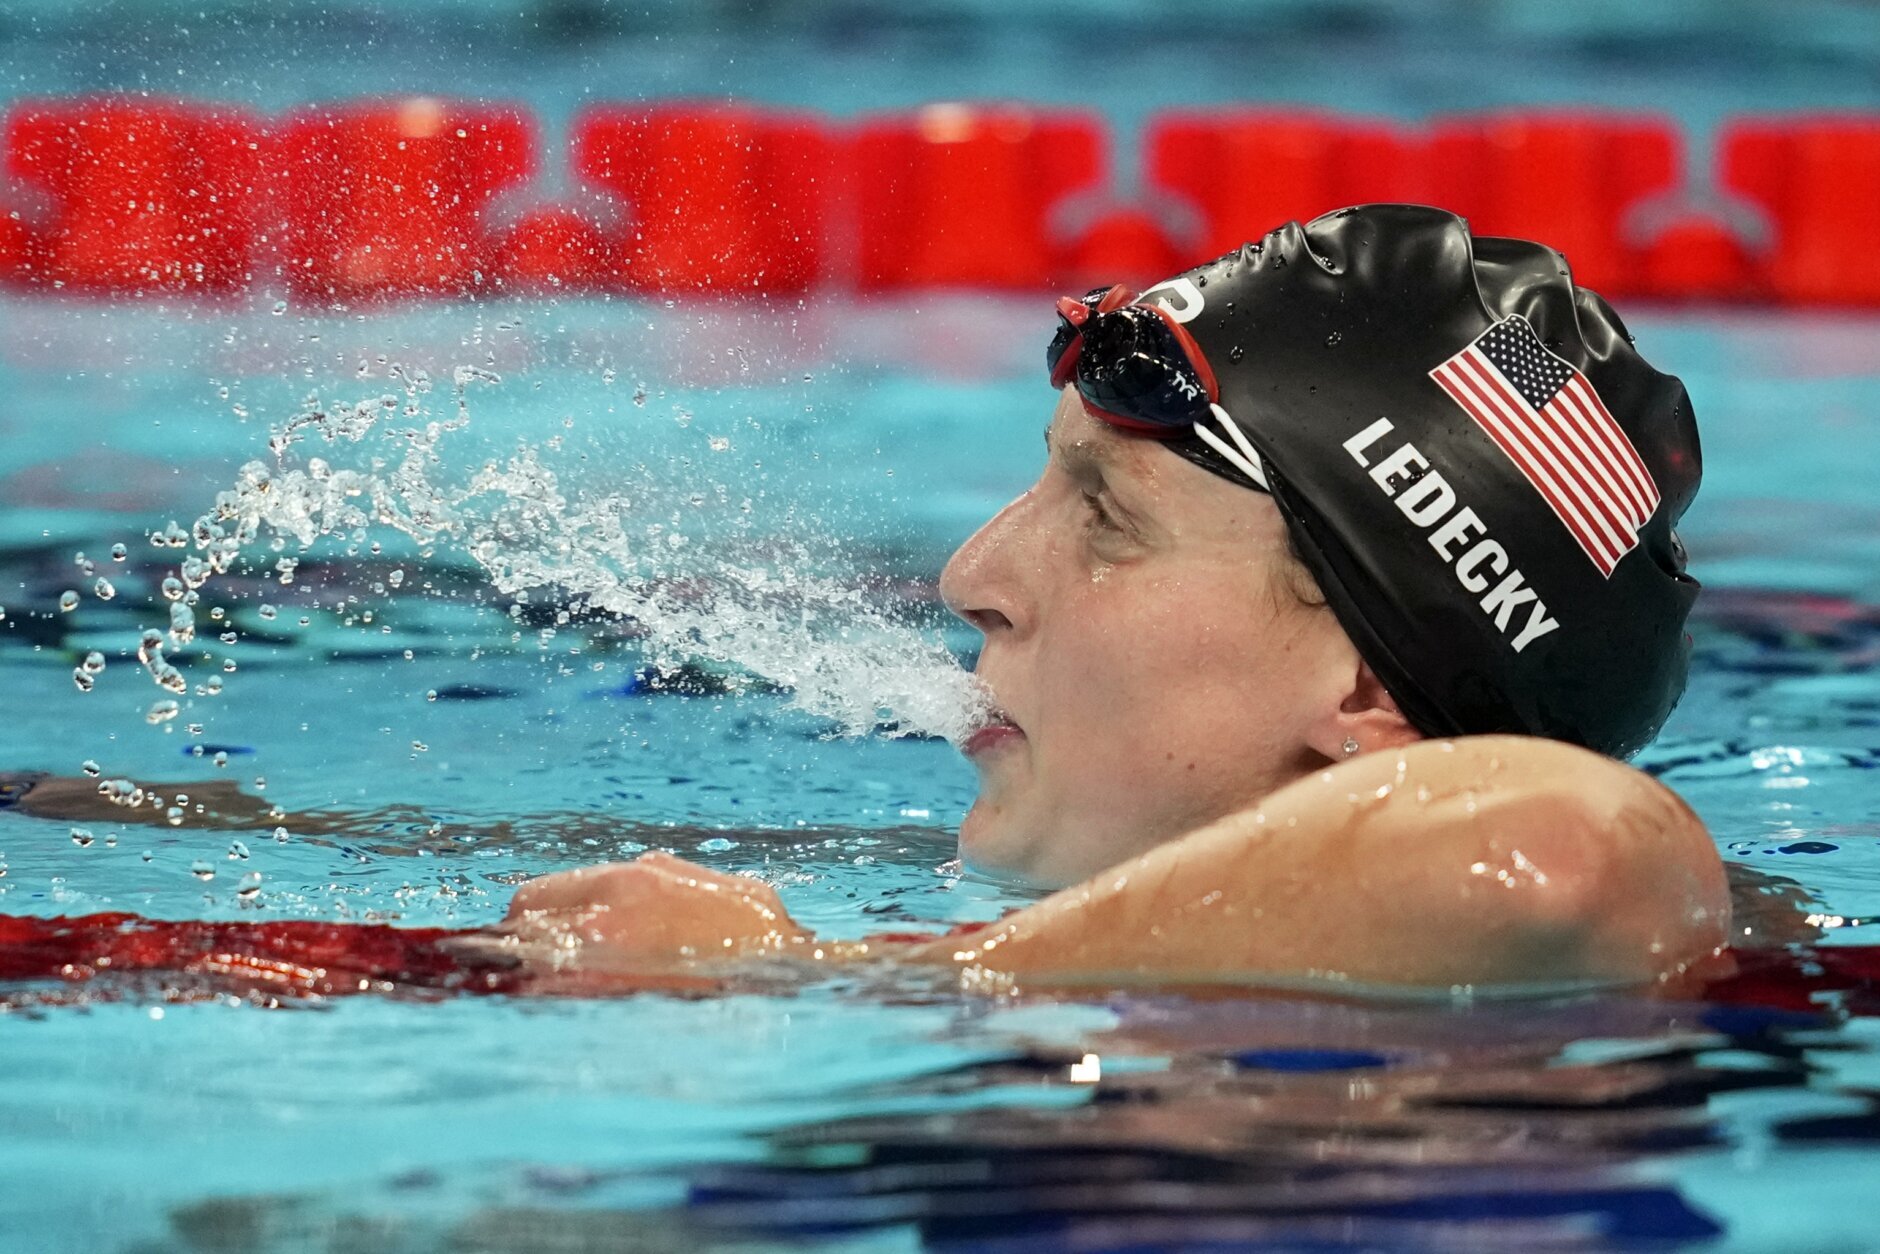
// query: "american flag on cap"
[[1550, 422]]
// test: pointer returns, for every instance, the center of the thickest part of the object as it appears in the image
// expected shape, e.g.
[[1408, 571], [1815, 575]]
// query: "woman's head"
[[1417, 471], [1163, 657]]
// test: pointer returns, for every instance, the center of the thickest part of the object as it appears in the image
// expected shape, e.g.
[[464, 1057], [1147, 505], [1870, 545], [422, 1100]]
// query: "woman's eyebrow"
[[1087, 457]]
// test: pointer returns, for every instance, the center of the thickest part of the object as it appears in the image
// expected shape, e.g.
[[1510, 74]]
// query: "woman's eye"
[[1099, 512]]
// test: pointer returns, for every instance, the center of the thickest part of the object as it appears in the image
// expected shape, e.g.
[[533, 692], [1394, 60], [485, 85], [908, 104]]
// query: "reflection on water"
[[1283, 1123]]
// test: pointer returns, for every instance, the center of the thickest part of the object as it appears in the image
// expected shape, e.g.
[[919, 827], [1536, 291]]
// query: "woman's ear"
[[1366, 717]]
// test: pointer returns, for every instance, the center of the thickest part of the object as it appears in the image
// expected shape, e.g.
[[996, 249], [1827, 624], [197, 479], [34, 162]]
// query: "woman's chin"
[[992, 843]]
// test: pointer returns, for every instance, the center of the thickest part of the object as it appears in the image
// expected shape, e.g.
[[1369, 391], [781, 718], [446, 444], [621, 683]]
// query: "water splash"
[[838, 652]]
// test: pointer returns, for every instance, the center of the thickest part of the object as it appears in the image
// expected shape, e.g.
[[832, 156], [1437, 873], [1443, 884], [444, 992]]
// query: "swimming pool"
[[428, 756], [454, 740]]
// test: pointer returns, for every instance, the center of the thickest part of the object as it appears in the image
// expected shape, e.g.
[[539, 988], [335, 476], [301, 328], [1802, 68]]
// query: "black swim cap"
[[1473, 460]]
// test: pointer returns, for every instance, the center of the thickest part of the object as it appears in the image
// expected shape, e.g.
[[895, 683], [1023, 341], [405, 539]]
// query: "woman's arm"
[[1481, 861]]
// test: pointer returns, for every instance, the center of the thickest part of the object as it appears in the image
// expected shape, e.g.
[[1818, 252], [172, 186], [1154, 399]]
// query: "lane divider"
[[342, 205]]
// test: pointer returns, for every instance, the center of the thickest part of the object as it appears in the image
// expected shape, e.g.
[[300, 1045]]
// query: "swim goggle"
[[1140, 370]]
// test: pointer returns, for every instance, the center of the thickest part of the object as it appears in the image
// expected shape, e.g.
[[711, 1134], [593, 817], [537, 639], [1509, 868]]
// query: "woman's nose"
[[981, 581]]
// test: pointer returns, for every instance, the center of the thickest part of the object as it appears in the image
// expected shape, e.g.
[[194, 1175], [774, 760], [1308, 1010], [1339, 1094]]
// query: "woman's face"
[[1145, 633]]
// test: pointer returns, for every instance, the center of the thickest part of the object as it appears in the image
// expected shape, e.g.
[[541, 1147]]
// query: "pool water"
[[429, 740]]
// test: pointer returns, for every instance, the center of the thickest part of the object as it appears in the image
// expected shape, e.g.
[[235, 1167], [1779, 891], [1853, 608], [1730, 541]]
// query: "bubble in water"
[[104, 590], [93, 663], [280, 835], [202, 870], [119, 552], [182, 625], [68, 601], [81, 837], [267, 613], [237, 850], [82, 681], [249, 886], [173, 816], [280, 308], [90, 768], [161, 712], [172, 588]]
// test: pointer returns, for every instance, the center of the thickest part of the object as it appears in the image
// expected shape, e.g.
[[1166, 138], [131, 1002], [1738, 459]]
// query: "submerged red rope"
[[295, 959], [289, 958]]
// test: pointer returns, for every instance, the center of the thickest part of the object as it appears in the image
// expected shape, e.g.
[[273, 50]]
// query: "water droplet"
[[172, 588], [250, 886], [267, 613], [119, 552], [104, 590], [90, 768], [1236, 353], [202, 870], [280, 308], [221, 757], [237, 850], [1334, 339], [160, 712], [68, 601], [82, 681], [280, 835], [418, 746], [81, 836]]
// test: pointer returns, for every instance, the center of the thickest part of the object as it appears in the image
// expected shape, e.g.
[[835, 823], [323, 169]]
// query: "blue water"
[[696, 1124], [869, 439]]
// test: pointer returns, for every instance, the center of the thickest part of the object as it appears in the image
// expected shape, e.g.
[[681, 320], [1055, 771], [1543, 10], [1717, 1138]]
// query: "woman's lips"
[[991, 737]]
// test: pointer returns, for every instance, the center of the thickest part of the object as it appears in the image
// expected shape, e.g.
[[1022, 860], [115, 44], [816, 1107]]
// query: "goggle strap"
[[1244, 458]]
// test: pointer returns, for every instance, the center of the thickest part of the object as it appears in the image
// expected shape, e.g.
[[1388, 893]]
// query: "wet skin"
[[1480, 862], [1162, 657]]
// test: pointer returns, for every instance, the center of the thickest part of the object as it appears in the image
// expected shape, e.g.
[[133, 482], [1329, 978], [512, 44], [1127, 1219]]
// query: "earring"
[[1351, 745]]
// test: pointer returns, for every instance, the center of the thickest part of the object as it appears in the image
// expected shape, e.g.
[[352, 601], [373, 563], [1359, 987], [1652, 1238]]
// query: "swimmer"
[[1350, 581]]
